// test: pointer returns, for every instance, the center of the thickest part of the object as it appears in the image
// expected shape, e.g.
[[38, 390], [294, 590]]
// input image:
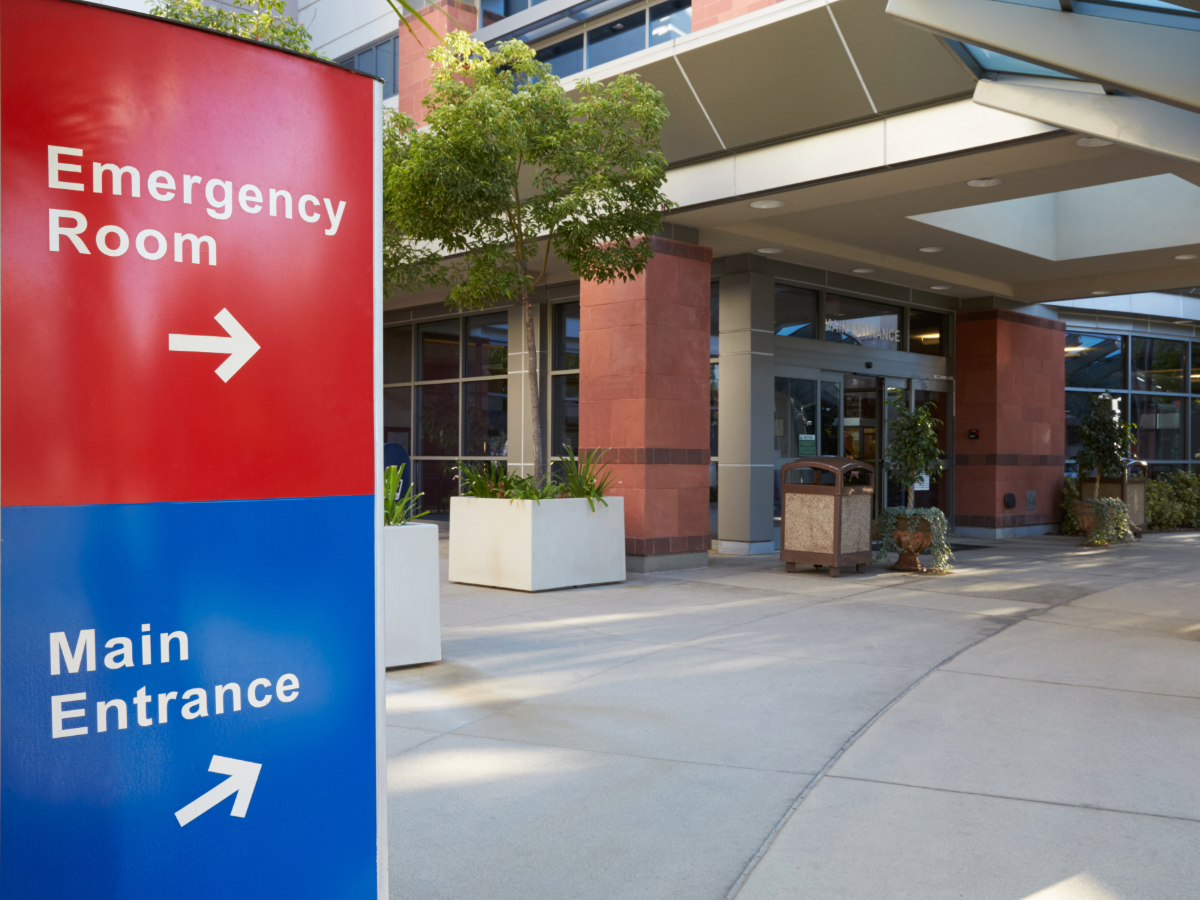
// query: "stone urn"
[[913, 536]]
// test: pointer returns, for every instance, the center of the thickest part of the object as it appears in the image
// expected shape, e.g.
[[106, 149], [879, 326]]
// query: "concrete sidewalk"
[[1028, 727]]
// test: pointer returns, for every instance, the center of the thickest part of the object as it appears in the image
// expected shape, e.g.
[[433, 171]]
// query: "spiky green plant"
[[399, 509], [587, 476]]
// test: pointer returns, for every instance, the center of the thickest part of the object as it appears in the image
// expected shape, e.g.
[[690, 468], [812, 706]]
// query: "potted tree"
[[508, 531], [912, 455], [413, 622], [511, 172], [1103, 515]]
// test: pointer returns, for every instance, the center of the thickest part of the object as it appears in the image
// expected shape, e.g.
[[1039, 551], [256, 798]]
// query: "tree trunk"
[[912, 495], [535, 400]]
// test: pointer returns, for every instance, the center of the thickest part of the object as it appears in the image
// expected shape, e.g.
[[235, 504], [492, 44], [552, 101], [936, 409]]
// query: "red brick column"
[[1011, 382], [414, 70], [644, 396]]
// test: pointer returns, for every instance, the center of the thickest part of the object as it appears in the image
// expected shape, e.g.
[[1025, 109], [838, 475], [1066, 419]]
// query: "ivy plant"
[[940, 546], [912, 452], [1112, 522], [510, 172]]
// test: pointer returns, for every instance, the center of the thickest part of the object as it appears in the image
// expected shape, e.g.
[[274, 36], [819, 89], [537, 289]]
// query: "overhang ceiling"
[[866, 222], [784, 71]]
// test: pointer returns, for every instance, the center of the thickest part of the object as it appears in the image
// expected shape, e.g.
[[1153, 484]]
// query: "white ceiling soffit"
[[1163, 306], [793, 68], [1086, 109], [1123, 217], [1148, 60], [950, 128]]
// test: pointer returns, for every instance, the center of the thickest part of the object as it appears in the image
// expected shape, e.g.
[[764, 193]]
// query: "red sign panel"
[[175, 268]]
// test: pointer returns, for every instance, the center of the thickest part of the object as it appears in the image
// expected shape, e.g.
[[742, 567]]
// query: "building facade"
[[985, 206]]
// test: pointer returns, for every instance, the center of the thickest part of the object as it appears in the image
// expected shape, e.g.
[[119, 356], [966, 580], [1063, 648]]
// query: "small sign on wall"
[[921, 484], [806, 445]]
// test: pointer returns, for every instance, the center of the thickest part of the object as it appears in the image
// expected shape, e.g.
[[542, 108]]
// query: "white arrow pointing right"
[[239, 345], [242, 778]]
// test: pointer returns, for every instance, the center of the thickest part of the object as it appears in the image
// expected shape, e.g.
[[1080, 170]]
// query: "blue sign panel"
[[187, 712], [190, 640]]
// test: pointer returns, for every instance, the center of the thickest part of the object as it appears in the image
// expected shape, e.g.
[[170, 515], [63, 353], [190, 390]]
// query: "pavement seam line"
[[838, 754], [1059, 803], [1085, 687]]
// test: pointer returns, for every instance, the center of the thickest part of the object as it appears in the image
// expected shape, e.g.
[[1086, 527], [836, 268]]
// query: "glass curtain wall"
[[564, 380], [1153, 383], [446, 397], [612, 31]]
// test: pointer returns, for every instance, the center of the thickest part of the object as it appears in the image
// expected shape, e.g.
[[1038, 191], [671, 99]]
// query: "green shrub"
[[1070, 524], [1173, 501], [585, 477]]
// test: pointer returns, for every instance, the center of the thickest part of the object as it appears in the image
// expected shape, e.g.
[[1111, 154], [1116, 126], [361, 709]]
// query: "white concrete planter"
[[528, 546], [410, 587]]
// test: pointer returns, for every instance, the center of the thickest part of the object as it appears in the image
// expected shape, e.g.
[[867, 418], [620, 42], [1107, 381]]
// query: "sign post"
[[191, 645]]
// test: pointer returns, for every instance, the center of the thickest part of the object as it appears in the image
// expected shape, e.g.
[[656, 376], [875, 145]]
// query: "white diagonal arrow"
[[239, 345], [242, 778]]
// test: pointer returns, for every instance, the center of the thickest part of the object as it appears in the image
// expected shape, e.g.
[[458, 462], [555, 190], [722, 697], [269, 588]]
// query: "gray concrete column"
[[746, 403], [520, 419]]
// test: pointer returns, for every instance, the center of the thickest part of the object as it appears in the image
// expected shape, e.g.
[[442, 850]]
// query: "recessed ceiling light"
[[1093, 142], [932, 249], [984, 182], [770, 250], [862, 271], [1099, 293], [939, 287], [767, 204], [1186, 256]]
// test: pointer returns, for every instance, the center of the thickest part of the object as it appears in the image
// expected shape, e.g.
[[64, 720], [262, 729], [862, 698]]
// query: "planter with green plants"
[[1104, 440], [509, 531], [413, 622], [912, 456]]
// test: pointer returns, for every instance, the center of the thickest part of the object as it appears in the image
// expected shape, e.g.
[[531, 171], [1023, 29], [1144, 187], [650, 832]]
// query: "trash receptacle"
[[826, 515]]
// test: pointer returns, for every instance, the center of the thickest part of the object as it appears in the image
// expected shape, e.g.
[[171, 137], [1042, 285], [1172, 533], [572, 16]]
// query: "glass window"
[[564, 58], [795, 311], [1077, 404], [831, 418], [438, 406], [860, 422], [565, 430], [1195, 379], [670, 20], [616, 39], [487, 345], [1158, 365], [1095, 361], [1160, 424], [795, 418], [380, 60], [485, 404], [1196, 429], [397, 355], [566, 336], [928, 333], [397, 417], [990, 61], [714, 320], [438, 346], [714, 395], [862, 322], [438, 482]]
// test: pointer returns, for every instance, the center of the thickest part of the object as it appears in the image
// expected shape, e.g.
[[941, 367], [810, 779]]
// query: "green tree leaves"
[[509, 172], [265, 21], [912, 451]]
